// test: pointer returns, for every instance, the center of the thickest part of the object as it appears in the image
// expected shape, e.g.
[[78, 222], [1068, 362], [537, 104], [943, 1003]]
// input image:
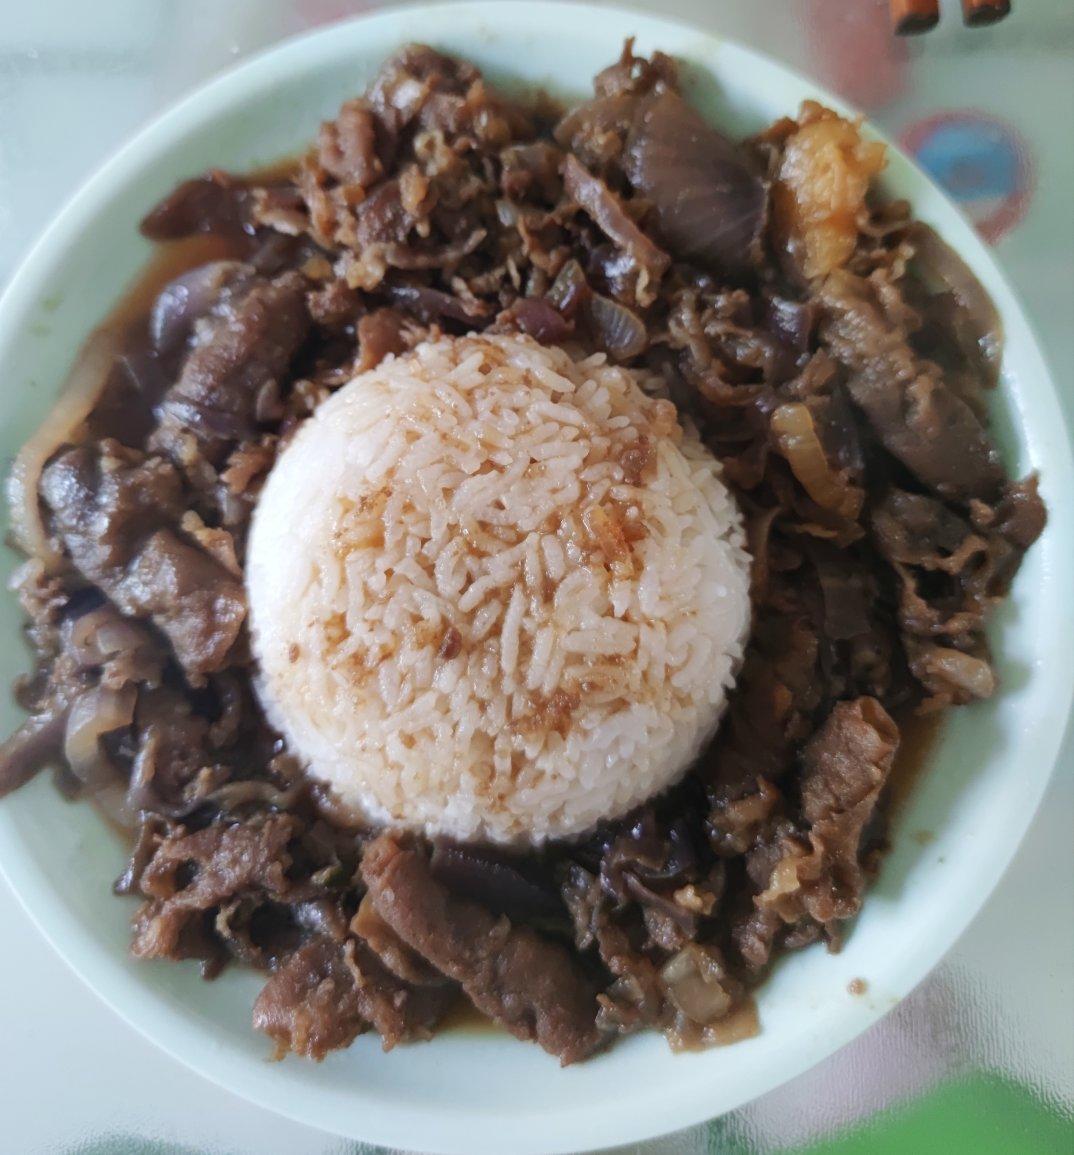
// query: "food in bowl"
[[470, 614], [500, 565]]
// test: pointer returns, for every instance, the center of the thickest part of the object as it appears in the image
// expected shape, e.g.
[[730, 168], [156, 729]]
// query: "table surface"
[[981, 1056]]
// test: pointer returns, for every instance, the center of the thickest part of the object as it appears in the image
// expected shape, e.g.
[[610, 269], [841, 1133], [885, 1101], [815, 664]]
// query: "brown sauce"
[[917, 738], [170, 259], [741, 1023], [465, 1018]]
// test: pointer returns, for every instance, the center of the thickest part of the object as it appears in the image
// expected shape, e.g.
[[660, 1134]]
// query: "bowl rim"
[[433, 1130]]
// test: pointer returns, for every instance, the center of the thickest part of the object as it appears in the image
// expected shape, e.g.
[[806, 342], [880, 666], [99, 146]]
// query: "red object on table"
[[912, 16], [979, 12]]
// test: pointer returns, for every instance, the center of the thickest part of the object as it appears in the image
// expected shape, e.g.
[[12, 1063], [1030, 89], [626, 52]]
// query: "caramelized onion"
[[94, 714], [539, 319], [972, 675], [264, 795], [112, 800], [79, 394], [570, 289], [618, 330], [796, 438], [102, 633], [694, 982], [709, 205], [33, 745], [182, 301]]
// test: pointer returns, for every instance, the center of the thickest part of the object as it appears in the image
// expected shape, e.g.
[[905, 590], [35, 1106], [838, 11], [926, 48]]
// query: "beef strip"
[[249, 346], [311, 1004], [926, 425], [224, 861], [529, 984], [606, 210], [111, 507]]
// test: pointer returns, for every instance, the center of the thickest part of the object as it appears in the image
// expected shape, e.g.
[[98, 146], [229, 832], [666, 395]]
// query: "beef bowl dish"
[[502, 558]]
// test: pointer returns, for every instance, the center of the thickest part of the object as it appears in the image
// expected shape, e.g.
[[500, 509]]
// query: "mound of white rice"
[[495, 592]]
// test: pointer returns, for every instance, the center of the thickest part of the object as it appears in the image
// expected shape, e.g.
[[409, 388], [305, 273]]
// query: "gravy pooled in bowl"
[[794, 357]]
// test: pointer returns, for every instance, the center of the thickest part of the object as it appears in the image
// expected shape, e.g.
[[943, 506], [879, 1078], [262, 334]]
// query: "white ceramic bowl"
[[475, 1093]]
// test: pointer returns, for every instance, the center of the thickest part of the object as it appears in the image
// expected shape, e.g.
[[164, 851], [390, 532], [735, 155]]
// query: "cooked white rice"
[[469, 621]]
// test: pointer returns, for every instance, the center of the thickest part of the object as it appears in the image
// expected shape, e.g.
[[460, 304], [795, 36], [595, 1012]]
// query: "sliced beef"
[[399, 1011], [926, 425], [248, 348], [311, 1004], [844, 769], [214, 203], [531, 985], [105, 500], [189, 875], [606, 210], [36, 743], [1020, 516], [914, 529], [347, 146], [191, 598], [113, 510]]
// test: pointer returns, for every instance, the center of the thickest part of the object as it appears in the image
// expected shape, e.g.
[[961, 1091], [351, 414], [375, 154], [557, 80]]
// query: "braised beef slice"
[[35, 744], [111, 507], [821, 876], [249, 347], [607, 211], [191, 874], [311, 1004], [844, 768], [398, 1010], [531, 985], [214, 203], [927, 426]]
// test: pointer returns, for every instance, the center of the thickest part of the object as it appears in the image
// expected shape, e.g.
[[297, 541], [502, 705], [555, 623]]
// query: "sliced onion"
[[796, 437], [263, 794], [619, 331], [709, 205], [570, 289], [88, 377], [112, 800], [182, 301], [972, 675], [539, 319], [94, 714], [693, 979]]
